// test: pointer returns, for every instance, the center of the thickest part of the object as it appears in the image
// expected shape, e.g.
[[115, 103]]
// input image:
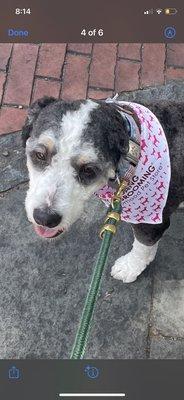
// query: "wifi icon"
[[159, 11]]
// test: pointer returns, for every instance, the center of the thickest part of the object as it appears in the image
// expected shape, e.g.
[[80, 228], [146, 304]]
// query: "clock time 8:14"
[[24, 11]]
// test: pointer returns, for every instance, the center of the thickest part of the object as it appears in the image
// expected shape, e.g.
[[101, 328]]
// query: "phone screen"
[[91, 192]]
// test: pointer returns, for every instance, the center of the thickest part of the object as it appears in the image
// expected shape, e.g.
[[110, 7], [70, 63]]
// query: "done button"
[[17, 33]]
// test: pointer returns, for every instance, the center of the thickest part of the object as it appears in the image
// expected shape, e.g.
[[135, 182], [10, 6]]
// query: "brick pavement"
[[73, 71]]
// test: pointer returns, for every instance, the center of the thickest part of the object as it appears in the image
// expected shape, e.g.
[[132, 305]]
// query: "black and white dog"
[[73, 149]]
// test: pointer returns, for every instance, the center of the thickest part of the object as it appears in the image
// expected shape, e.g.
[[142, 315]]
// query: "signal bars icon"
[[149, 12]]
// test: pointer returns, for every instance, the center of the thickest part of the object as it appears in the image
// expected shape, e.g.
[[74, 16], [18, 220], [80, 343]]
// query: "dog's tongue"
[[43, 231]]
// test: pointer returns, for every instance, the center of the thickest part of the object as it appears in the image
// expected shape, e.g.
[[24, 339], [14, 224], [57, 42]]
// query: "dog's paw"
[[130, 266], [126, 269]]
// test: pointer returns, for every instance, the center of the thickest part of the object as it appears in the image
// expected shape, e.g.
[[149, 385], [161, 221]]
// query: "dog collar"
[[134, 138], [127, 164]]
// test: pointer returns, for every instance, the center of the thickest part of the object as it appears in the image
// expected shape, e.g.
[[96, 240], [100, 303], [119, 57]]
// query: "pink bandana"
[[145, 198]]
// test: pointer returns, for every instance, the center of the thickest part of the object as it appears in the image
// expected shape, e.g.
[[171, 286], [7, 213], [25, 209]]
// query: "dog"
[[74, 149]]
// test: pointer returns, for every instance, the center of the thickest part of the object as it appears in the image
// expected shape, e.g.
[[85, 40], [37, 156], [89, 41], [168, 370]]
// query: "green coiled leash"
[[106, 233]]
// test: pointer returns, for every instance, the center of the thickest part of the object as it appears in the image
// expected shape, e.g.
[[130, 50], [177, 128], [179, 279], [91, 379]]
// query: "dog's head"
[[73, 149]]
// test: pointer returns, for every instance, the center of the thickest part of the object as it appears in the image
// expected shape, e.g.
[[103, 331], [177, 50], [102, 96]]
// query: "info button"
[[18, 33]]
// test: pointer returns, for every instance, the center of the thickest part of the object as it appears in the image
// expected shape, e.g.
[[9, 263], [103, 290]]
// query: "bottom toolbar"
[[85, 379]]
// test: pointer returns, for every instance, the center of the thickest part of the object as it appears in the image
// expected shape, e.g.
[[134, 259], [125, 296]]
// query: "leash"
[[106, 233]]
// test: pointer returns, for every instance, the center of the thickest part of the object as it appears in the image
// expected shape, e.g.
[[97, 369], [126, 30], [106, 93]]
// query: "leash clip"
[[113, 216]]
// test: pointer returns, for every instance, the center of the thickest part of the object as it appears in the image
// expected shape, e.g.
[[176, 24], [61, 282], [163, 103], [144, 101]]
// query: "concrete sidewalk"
[[43, 286]]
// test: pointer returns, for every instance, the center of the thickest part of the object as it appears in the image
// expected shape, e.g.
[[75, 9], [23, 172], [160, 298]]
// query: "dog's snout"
[[46, 217]]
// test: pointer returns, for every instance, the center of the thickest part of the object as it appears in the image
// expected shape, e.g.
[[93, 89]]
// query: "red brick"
[[21, 75], [99, 94], [174, 73], [175, 55], [127, 76], [5, 51], [11, 119], [51, 59], [45, 88], [80, 47], [75, 77], [2, 81], [153, 64], [103, 65], [129, 50]]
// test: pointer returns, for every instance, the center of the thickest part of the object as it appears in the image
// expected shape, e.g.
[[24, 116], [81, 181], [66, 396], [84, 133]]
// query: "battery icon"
[[170, 11]]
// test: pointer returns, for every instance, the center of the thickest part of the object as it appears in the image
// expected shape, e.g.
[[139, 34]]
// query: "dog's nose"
[[46, 218]]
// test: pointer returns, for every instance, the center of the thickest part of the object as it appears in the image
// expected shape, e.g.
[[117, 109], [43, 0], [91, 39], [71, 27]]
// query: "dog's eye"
[[87, 173], [40, 156]]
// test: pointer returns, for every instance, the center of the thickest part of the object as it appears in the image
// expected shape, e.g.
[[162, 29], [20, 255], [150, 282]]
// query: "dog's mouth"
[[47, 233]]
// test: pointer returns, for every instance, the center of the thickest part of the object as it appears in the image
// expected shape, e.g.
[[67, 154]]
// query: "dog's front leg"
[[130, 266]]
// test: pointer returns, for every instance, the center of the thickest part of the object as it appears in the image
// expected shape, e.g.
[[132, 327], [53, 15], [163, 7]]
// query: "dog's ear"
[[33, 113], [118, 139]]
